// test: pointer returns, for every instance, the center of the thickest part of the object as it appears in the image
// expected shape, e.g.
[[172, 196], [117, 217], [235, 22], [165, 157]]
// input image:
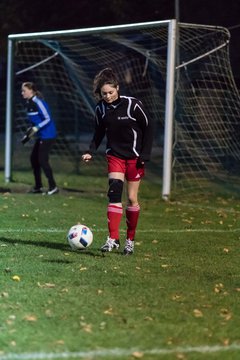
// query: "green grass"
[[177, 297]]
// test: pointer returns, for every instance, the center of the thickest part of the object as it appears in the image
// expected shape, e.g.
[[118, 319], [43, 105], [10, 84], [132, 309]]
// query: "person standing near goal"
[[129, 142], [43, 127]]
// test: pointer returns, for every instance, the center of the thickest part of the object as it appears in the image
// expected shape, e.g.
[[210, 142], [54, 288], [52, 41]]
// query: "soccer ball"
[[79, 237]]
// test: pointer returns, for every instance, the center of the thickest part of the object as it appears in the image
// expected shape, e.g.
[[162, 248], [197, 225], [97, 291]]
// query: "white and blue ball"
[[79, 237]]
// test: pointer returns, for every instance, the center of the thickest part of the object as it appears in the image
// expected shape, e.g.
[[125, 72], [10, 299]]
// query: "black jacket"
[[127, 128]]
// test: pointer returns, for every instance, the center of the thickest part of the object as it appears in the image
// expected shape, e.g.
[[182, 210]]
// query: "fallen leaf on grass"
[[48, 313], [222, 201], [64, 290], [218, 288], [83, 269], [207, 306], [86, 327], [25, 215], [226, 314], [46, 285], [4, 294], [170, 341], [226, 342], [31, 318], [16, 278], [108, 311], [197, 313], [102, 325], [187, 221], [168, 210], [207, 222], [10, 320], [222, 214], [137, 354], [59, 342], [147, 255], [181, 356]]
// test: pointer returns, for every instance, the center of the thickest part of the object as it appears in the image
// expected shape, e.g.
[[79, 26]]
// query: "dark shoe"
[[35, 191], [129, 247], [110, 244]]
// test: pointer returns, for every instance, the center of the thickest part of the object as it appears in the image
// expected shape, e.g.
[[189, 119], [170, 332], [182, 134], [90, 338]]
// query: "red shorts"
[[127, 167]]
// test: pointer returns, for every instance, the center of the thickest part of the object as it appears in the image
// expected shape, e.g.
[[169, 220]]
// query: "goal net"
[[207, 106]]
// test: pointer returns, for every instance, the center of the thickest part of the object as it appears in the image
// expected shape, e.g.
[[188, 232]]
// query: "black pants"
[[40, 161]]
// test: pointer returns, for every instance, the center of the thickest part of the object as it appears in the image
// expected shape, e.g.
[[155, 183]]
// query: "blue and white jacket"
[[39, 115]]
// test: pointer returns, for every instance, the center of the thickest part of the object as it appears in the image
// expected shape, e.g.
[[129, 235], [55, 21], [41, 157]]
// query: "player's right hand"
[[29, 134], [86, 157]]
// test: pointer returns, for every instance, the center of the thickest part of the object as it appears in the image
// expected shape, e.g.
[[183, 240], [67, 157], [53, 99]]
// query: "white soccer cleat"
[[110, 245]]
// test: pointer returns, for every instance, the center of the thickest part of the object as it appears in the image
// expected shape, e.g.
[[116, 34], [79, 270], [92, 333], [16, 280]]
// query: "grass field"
[[177, 297]]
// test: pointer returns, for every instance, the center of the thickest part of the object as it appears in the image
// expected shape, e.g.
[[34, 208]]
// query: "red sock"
[[114, 214], [132, 214]]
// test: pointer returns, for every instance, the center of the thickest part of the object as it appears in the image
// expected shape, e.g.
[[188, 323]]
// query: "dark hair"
[[105, 76], [31, 86]]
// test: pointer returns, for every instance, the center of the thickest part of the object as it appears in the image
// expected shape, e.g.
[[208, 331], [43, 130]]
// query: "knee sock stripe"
[[133, 208], [115, 209]]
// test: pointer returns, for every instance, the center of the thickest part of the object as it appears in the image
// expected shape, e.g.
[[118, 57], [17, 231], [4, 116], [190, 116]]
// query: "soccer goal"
[[181, 72]]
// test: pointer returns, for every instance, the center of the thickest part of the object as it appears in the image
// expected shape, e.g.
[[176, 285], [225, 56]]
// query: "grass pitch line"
[[212, 208], [159, 231], [119, 353]]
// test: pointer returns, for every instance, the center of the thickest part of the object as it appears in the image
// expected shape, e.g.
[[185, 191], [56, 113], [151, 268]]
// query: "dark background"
[[19, 16]]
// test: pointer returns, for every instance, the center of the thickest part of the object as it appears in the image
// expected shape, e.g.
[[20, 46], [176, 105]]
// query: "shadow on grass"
[[4, 190], [50, 245], [58, 261], [46, 244]]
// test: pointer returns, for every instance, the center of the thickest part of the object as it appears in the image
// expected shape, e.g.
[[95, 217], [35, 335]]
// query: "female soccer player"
[[43, 126], [129, 141]]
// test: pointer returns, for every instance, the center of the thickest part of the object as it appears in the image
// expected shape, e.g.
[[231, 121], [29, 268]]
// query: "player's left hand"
[[140, 163]]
